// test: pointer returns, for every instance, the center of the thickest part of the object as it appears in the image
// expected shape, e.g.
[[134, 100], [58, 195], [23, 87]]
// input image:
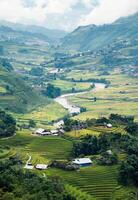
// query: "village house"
[[42, 132], [109, 152], [82, 162], [109, 125], [41, 166]]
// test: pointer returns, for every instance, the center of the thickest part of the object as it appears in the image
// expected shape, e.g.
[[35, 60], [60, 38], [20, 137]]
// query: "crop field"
[[102, 129], [66, 86], [42, 148], [121, 93], [44, 115], [96, 131], [79, 133], [78, 74], [98, 181]]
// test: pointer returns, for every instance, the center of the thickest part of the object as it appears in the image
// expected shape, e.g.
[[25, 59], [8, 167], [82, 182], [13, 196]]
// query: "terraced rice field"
[[121, 93], [51, 147], [79, 133], [46, 114], [66, 86], [102, 129], [96, 131], [98, 181]]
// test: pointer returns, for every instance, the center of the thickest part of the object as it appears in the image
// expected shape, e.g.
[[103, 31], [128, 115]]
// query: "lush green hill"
[[15, 94], [94, 37]]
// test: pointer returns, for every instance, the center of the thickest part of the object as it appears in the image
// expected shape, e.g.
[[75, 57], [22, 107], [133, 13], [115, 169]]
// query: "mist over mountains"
[[94, 37]]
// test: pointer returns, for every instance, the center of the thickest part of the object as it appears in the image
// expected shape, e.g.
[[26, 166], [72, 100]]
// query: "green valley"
[[69, 112]]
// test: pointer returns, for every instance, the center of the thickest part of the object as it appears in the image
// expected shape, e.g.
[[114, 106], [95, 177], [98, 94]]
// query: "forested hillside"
[[15, 94], [94, 37]]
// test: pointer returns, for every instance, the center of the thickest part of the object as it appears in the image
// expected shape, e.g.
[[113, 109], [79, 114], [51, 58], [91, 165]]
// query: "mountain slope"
[[9, 34], [52, 34], [15, 94], [94, 37]]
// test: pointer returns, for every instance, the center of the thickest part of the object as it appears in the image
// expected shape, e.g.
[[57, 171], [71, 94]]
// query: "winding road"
[[27, 166]]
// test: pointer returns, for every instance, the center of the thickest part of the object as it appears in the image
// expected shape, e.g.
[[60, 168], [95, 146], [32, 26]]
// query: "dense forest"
[[17, 184]]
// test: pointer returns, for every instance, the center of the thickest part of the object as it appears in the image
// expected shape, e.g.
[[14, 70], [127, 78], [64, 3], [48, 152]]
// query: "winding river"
[[63, 99]]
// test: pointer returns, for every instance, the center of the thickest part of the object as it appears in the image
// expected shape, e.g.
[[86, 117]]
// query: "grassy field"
[[46, 148], [82, 132], [66, 86], [120, 97], [44, 115], [96, 131], [98, 181]]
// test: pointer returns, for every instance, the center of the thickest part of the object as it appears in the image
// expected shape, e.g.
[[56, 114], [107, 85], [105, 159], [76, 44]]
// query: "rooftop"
[[80, 161]]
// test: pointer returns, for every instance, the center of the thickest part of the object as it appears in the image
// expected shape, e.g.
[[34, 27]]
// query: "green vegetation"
[[44, 114], [122, 93], [51, 147], [19, 97], [98, 181], [128, 171], [32, 73], [26, 185], [36, 71], [69, 86], [94, 37], [51, 91], [7, 124]]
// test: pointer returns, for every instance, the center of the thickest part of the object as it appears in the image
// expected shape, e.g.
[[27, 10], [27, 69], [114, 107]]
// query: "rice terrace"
[[68, 100]]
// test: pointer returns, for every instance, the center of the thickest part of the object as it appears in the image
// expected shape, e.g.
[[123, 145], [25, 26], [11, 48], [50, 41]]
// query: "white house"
[[109, 152], [54, 132], [109, 125], [42, 132], [82, 162], [41, 166]]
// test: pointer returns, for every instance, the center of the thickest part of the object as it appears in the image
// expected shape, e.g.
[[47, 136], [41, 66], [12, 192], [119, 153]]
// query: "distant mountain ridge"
[[50, 34], [92, 37]]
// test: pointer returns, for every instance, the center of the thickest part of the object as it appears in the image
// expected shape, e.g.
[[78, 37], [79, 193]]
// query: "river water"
[[63, 99]]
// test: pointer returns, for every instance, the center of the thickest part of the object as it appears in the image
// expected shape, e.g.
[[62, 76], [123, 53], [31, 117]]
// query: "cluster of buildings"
[[37, 166], [80, 162], [44, 132]]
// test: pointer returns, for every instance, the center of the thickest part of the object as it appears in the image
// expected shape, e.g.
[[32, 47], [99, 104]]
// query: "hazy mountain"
[[19, 37], [94, 37], [52, 34]]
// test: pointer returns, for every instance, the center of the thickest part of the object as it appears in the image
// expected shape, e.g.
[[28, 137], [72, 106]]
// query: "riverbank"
[[72, 109]]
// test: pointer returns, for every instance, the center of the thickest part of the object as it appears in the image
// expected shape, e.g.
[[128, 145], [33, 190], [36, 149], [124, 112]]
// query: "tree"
[[132, 128], [121, 119], [7, 124], [32, 123], [128, 172], [52, 91], [37, 71], [87, 146], [108, 159], [6, 64], [82, 109]]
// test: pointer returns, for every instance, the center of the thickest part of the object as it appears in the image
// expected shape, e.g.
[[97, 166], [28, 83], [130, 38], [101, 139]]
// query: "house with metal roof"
[[41, 166], [82, 162]]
